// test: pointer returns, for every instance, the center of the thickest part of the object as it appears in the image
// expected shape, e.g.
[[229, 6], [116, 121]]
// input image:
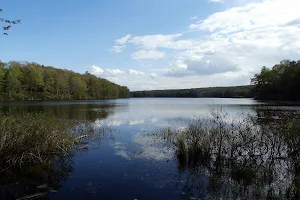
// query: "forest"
[[32, 81], [247, 91], [281, 82]]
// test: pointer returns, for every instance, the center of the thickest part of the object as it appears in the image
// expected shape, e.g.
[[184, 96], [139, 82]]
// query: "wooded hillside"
[[24, 80]]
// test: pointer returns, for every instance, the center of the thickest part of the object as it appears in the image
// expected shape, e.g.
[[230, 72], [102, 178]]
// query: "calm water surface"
[[126, 163]]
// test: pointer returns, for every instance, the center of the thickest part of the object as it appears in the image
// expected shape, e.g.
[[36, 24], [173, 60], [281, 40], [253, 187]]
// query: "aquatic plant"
[[246, 157], [34, 138], [36, 151]]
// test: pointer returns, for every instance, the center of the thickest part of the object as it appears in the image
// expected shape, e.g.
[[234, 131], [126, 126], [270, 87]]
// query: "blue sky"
[[157, 44]]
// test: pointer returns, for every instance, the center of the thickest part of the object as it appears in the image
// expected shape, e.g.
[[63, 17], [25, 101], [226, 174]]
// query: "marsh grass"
[[246, 157], [36, 151], [29, 138]]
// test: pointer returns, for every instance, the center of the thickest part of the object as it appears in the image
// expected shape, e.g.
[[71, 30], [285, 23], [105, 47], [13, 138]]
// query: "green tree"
[[281, 82], [2, 76], [95, 87], [13, 78], [78, 87], [33, 79], [23, 80], [49, 80]]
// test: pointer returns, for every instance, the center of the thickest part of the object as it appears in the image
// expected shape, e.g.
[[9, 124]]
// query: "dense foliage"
[[23, 81], [222, 92], [282, 82]]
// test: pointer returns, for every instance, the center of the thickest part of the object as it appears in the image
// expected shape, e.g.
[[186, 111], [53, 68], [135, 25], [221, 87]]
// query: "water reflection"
[[139, 159], [246, 160], [35, 180], [151, 148], [45, 179], [66, 110]]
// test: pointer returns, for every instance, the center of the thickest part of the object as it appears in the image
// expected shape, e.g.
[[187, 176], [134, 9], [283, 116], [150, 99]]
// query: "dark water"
[[127, 163]]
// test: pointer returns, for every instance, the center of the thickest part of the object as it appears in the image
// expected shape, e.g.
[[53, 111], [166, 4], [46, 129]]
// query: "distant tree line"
[[281, 82], [24, 80], [219, 92]]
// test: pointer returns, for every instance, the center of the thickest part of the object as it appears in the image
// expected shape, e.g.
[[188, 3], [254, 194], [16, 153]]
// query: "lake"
[[128, 161]]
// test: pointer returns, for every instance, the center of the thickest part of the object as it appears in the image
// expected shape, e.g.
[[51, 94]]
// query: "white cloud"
[[211, 64], [153, 75], [231, 46], [147, 54], [113, 72], [123, 40], [208, 65], [154, 41], [180, 72], [149, 43], [253, 16], [120, 44], [97, 71], [135, 72], [251, 36], [118, 49]]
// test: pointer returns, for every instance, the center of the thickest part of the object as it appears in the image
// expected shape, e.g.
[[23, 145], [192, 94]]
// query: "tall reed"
[[33, 138]]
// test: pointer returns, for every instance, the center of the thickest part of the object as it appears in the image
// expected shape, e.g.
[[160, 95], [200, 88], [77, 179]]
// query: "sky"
[[155, 44]]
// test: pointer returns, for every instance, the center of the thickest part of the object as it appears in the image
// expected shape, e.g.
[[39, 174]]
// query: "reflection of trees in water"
[[249, 158], [44, 178], [74, 111], [41, 179], [35, 179]]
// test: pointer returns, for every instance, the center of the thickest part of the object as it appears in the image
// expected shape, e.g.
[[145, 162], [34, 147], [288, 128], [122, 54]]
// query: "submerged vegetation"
[[249, 157], [27, 81]]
